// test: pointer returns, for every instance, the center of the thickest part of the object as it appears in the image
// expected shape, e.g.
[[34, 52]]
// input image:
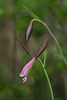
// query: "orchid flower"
[[29, 65]]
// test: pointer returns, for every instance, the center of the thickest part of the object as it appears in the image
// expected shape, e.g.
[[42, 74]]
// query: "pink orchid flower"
[[26, 69], [29, 65]]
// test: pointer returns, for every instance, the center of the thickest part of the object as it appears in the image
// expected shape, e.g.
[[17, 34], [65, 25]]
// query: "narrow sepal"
[[40, 45], [23, 47], [43, 49]]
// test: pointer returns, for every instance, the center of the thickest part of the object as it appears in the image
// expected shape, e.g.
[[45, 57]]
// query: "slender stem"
[[53, 38], [44, 58], [32, 14], [47, 78], [40, 62], [49, 84]]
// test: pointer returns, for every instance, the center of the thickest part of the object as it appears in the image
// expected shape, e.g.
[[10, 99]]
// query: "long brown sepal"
[[40, 45], [23, 47], [43, 49]]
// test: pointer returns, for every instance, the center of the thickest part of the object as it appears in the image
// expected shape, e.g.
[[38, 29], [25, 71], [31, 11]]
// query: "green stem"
[[47, 78], [49, 84], [53, 38], [40, 62], [44, 58]]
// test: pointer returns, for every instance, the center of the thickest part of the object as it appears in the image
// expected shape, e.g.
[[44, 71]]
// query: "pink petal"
[[24, 79], [27, 68]]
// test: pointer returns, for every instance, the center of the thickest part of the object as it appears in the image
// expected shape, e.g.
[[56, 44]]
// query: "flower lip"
[[24, 79]]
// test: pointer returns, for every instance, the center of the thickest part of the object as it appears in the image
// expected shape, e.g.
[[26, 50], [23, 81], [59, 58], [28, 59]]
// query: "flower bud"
[[29, 30]]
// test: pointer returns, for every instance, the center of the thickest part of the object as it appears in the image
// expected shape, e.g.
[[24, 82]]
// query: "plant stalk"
[[47, 78], [53, 38]]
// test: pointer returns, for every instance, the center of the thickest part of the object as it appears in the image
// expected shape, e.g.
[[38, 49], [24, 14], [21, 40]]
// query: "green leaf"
[[62, 66], [31, 13]]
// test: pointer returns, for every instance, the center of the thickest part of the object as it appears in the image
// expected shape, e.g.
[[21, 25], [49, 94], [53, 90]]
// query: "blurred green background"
[[14, 20]]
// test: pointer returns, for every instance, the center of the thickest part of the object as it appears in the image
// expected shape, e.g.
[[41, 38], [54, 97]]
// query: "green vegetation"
[[14, 19]]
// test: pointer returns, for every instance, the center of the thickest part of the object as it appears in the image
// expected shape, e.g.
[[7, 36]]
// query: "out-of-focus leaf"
[[31, 13], [62, 10], [62, 66]]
